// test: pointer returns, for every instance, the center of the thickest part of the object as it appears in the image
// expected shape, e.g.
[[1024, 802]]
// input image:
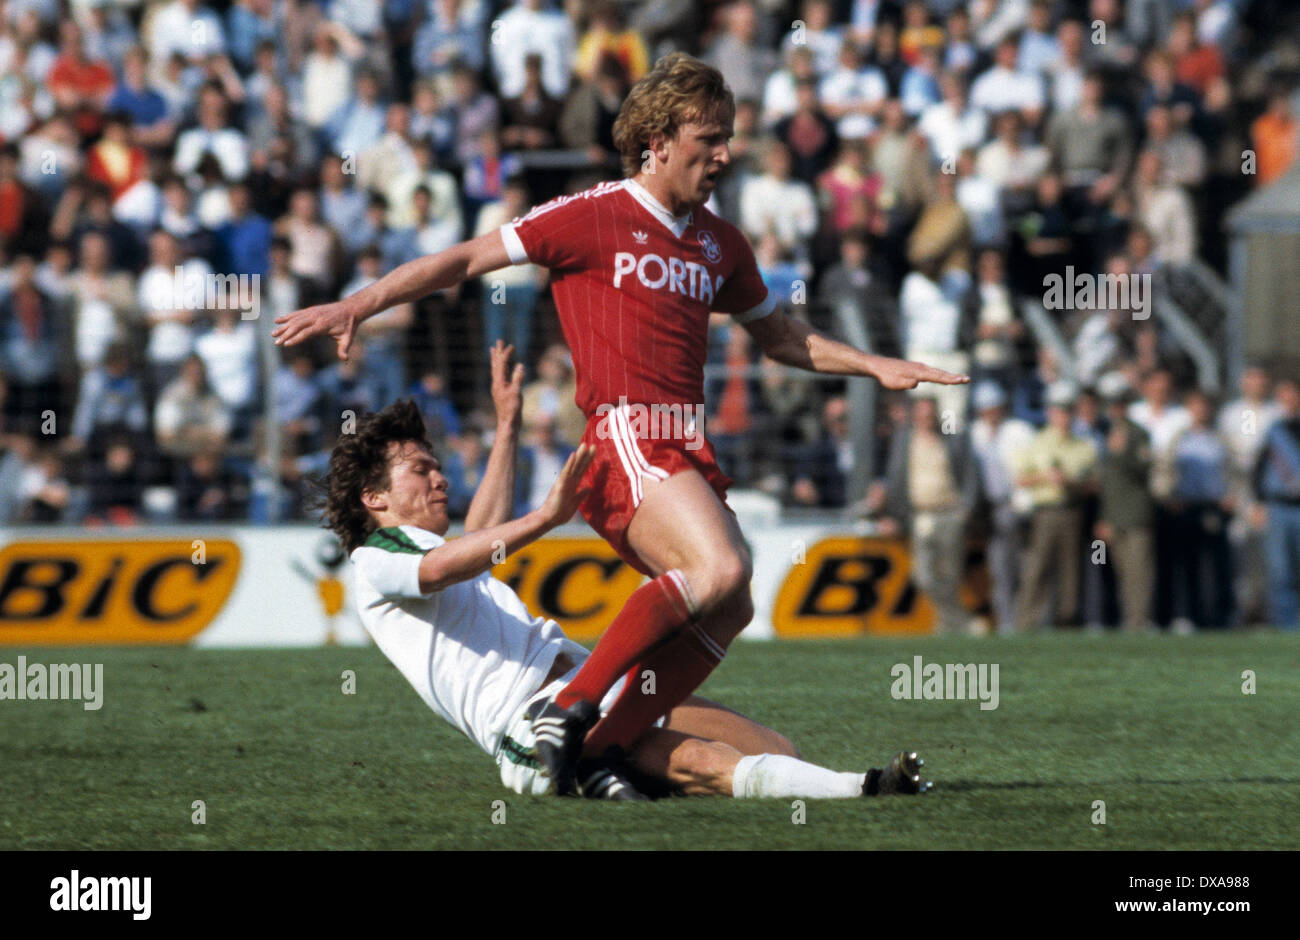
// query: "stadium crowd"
[[919, 167]]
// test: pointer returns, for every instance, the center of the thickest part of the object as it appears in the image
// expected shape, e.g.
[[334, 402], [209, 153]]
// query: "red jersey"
[[634, 286]]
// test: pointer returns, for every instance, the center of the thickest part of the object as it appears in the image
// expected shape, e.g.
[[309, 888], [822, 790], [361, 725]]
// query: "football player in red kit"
[[636, 267]]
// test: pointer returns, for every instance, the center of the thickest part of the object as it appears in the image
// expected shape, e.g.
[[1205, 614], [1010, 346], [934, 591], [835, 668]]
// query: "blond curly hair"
[[679, 90]]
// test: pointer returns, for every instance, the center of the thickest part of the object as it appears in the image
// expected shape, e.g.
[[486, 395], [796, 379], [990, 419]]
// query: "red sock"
[[679, 668], [653, 613]]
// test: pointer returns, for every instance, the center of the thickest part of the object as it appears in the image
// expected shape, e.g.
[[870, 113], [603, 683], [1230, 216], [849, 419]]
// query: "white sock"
[[776, 775]]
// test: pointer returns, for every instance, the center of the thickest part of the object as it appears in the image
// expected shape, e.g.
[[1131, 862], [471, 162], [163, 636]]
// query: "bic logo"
[[850, 586], [111, 591]]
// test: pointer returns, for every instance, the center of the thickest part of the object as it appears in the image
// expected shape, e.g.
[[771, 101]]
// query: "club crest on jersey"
[[712, 250], [640, 237]]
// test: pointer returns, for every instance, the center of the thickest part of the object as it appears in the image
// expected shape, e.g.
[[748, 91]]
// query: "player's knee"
[[725, 579]]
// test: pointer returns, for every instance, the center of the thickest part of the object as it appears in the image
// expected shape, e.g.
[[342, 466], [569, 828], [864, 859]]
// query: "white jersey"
[[471, 650]]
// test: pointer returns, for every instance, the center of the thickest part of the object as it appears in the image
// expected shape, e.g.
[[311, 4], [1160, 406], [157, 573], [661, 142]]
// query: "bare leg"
[[682, 524], [697, 751]]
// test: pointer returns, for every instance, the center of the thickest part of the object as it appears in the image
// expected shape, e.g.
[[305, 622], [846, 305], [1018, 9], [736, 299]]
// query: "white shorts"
[[520, 769]]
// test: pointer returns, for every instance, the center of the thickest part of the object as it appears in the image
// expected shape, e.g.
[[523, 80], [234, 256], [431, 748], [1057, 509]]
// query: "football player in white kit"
[[482, 662]]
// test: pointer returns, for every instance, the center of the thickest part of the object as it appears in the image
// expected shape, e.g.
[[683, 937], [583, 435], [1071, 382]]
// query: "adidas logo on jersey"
[[678, 276], [640, 237]]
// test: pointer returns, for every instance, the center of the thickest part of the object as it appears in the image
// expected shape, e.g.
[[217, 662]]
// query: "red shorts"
[[627, 450]]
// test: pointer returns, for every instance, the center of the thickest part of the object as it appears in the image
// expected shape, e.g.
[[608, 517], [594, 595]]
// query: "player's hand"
[[899, 374], [507, 384], [337, 320], [563, 499]]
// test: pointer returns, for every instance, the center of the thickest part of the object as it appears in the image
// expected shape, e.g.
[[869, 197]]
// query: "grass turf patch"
[[1157, 727]]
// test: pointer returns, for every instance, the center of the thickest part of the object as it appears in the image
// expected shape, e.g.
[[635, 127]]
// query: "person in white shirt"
[[527, 29], [852, 95], [213, 136], [1005, 88], [776, 204], [480, 660], [952, 125], [996, 438], [1243, 424], [187, 27]]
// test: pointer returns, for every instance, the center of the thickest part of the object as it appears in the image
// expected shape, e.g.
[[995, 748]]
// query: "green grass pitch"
[[1156, 727]]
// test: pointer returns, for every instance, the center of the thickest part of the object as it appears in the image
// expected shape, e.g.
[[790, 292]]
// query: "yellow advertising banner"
[[113, 592], [579, 582]]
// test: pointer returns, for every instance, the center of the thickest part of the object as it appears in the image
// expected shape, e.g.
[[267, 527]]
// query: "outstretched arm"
[[475, 552], [796, 343], [494, 501], [403, 284]]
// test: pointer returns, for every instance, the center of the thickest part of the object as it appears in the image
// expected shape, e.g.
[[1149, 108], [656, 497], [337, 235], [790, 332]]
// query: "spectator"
[[808, 133], [440, 417], [997, 325], [821, 477], [1126, 514], [464, 467], [780, 89], [1055, 468], [102, 300], [952, 124], [527, 28], [165, 310], [531, 119], [114, 161], [32, 333], [551, 396], [326, 78], [214, 136], [190, 417], [360, 122], [930, 489], [853, 95], [44, 493], [385, 335], [851, 287], [1090, 147], [205, 490], [607, 35], [817, 32], [475, 111], [249, 23], [995, 439], [1243, 424], [1006, 87], [510, 294], [1181, 154], [300, 404], [1277, 488], [187, 28], [1202, 503], [743, 61], [111, 401], [315, 249], [116, 485], [776, 203], [229, 355], [453, 32], [79, 86], [542, 458], [1165, 211]]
